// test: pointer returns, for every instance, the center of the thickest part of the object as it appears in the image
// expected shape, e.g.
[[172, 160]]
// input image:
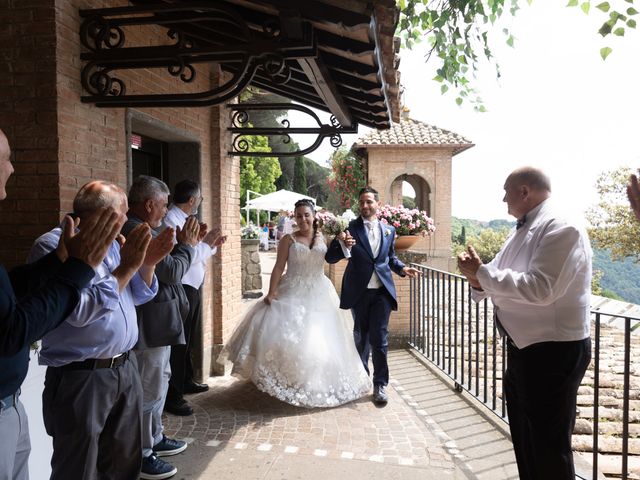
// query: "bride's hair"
[[306, 202]]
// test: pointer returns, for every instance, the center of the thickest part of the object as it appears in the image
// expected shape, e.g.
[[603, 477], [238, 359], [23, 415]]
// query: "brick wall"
[[28, 117], [60, 143]]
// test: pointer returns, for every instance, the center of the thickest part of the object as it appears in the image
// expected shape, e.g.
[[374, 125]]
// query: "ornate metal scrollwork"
[[98, 81], [203, 33], [97, 33], [276, 68], [185, 71], [241, 128]]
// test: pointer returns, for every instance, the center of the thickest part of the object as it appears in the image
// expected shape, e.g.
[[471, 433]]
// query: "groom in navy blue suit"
[[367, 287]]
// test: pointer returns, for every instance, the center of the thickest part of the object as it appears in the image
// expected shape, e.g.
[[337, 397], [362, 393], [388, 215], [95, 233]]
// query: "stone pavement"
[[239, 432]]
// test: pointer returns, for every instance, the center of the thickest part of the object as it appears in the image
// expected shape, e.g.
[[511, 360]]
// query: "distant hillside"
[[472, 227], [620, 277]]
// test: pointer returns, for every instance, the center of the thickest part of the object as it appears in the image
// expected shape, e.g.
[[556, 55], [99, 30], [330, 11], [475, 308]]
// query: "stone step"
[[607, 414], [611, 465], [585, 427], [584, 443]]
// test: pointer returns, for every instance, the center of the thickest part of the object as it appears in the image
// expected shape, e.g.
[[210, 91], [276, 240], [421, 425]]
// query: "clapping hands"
[[134, 250], [469, 262], [189, 233], [214, 238], [93, 240], [633, 193], [159, 247]]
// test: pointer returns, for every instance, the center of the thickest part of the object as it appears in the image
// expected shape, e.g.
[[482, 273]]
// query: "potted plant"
[[410, 224]]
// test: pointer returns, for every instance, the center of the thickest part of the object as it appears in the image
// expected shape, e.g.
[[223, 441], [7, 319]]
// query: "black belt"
[[9, 401], [94, 363]]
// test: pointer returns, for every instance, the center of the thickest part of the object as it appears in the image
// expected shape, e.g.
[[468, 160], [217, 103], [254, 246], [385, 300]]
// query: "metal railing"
[[459, 337]]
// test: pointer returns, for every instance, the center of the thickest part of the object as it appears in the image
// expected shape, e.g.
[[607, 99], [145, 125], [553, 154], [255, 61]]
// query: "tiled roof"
[[413, 133]]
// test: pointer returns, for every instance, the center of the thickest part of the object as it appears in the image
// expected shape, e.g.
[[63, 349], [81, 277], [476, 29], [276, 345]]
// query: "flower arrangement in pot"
[[250, 232], [407, 221], [410, 224]]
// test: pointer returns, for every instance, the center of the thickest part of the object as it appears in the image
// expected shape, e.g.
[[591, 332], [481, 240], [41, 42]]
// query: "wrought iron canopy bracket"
[[241, 127], [203, 32]]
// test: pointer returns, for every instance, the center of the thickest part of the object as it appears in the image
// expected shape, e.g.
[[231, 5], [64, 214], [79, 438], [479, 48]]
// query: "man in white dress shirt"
[[186, 200], [540, 285]]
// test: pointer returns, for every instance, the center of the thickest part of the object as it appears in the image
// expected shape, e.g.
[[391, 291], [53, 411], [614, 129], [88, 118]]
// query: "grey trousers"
[[14, 443], [94, 419], [155, 372]]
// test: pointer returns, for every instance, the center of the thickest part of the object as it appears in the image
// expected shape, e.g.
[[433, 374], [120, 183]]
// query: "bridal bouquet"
[[331, 226], [334, 225]]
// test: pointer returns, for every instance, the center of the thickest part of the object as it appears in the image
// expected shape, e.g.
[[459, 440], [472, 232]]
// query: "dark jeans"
[[94, 417], [371, 331], [541, 383], [180, 360]]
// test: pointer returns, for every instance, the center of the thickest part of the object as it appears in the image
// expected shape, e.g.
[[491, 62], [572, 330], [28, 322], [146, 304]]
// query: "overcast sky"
[[558, 106]]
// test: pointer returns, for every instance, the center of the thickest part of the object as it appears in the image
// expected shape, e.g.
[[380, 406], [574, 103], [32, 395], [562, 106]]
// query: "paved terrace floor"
[[427, 431]]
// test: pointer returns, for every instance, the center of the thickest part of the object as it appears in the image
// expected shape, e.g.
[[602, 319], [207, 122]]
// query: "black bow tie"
[[521, 222]]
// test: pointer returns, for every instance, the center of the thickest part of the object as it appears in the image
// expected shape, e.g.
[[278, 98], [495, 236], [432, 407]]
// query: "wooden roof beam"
[[317, 72]]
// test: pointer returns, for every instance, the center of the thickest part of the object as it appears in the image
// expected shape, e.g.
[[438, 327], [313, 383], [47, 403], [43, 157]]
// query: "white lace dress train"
[[300, 349]]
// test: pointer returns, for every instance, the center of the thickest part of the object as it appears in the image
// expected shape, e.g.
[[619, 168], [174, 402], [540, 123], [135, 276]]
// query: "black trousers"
[[180, 360], [371, 331], [541, 383], [94, 417]]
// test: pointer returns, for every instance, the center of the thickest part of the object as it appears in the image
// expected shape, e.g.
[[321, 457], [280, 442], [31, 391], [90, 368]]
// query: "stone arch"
[[420, 185]]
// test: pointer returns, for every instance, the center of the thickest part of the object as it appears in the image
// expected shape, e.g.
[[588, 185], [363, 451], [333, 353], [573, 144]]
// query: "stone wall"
[[251, 271]]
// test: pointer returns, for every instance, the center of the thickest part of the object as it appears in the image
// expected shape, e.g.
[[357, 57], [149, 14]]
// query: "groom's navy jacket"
[[362, 264]]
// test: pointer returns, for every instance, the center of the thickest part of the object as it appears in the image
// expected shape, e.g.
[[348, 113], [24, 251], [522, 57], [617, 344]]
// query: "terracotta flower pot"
[[404, 242]]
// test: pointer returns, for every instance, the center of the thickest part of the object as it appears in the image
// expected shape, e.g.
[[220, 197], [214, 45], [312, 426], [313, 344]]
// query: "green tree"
[[462, 239], [487, 243], [258, 173], [460, 32], [408, 202], [596, 285], [612, 224], [299, 176]]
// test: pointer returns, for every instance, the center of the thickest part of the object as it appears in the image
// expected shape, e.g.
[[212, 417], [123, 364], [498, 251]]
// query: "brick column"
[[225, 293]]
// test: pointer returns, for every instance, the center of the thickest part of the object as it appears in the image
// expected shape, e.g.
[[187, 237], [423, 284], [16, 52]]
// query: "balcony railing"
[[459, 337]]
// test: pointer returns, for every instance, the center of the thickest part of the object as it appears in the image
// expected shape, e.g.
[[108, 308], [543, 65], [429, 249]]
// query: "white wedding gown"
[[300, 349]]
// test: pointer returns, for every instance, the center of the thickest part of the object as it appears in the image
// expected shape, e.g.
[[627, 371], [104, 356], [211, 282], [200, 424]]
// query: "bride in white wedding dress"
[[297, 345]]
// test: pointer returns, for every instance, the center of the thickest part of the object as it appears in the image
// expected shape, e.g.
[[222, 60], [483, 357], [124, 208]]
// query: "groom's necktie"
[[370, 232]]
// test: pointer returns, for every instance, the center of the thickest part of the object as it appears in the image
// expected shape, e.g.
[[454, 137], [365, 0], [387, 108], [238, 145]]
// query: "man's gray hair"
[[97, 194], [145, 187], [532, 177]]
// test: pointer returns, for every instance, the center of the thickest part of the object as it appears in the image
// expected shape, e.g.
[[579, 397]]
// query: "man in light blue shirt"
[[92, 396]]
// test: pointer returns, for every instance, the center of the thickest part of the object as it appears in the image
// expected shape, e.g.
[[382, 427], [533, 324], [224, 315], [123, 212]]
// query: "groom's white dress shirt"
[[195, 275], [540, 281], [374, 234]]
